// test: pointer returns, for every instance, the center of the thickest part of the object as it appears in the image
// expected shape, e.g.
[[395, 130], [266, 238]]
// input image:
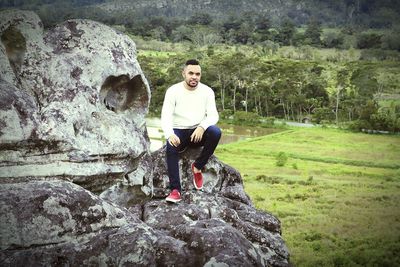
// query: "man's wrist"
[[203, 127], [168, 134]]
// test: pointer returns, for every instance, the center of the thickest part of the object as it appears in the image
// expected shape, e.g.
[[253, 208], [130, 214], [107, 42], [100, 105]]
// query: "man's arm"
[[210, 119], [211, 112]]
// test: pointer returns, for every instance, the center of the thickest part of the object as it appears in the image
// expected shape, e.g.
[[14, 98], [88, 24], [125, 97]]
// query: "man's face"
[[192, 75]]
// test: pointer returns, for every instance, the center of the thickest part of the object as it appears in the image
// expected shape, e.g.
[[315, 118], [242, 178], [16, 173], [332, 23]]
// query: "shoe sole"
[[194, 182], [172, 200], [195, 186]]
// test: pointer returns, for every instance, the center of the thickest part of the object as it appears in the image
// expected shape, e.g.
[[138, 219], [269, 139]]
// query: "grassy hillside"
[[337, 193]]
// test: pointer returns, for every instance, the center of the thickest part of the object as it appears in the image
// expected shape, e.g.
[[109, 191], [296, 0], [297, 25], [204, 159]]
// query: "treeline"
[[332, 13], [249, 28], [255, 28], [360, 95], [363, 24]]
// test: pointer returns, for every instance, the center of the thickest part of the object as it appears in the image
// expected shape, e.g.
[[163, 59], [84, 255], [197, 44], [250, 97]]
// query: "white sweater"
[[186, 109]]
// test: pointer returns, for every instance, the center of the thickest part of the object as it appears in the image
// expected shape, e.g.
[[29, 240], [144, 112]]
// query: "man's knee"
[[214, 132], [171, 150]]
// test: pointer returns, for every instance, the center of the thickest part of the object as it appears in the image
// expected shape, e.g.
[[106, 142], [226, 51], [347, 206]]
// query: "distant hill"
[[371, 13]]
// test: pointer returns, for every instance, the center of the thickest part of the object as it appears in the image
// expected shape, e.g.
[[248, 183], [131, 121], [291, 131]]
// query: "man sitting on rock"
[[188, 118]]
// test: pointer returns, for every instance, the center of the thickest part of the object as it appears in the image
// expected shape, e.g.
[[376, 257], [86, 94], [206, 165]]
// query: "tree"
[[243, 34], [314, 91], [262, 26], [384, 17], [332, 39], [342, 89], [231, 23], [182, 33], [313, 33], [265, 93], [200, 18], [218, 75], [202, 36], [391, 40], [286, 32], [158, 33]]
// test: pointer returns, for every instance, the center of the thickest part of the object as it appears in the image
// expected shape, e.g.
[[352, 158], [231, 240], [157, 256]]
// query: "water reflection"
[[233, 133], [230, 133]]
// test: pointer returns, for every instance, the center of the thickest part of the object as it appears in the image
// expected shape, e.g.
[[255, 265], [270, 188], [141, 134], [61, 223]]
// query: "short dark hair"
[[192, 62]]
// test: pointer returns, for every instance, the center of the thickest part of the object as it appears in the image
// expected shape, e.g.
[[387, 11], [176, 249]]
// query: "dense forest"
[[325, 61], [365, 13], [362, 24]]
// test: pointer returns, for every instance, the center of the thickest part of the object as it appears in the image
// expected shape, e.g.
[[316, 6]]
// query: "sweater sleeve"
[[167, 114], [211, 112]]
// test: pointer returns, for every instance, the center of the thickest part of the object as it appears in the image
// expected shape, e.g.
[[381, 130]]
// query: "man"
[[188, 118]]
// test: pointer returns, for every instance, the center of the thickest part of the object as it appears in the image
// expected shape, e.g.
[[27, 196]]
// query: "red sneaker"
[[197, 179], [174, 196]]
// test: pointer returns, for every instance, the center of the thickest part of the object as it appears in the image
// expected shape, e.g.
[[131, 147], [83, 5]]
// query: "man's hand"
[[197, 135], [174, 140]]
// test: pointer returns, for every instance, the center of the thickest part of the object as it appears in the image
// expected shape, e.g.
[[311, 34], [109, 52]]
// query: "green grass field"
[[337, 195]]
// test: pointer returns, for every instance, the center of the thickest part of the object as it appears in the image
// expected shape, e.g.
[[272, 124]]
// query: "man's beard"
[[195, 83]]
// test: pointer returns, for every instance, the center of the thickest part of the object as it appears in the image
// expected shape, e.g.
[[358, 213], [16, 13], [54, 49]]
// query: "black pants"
[[209, 142]]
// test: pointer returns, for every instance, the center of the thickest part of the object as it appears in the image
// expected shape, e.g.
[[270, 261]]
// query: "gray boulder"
[[60, 223], [221, 204], [86, 100]]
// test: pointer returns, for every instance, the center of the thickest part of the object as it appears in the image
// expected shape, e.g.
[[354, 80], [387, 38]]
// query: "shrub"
[[246, 118], [261, 177], [341, 260], [323, 114], [226, 114], [269, 179], [377, 121], [309, 181], [259, 198], [281, 159], [332, 39], [379, 54], [290, 182], [268, 121], [391, 41], [369, 40], [313, 236]]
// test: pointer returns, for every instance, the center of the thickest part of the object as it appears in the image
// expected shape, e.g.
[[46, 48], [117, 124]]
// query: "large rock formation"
[[78, 185], [73, 101]]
